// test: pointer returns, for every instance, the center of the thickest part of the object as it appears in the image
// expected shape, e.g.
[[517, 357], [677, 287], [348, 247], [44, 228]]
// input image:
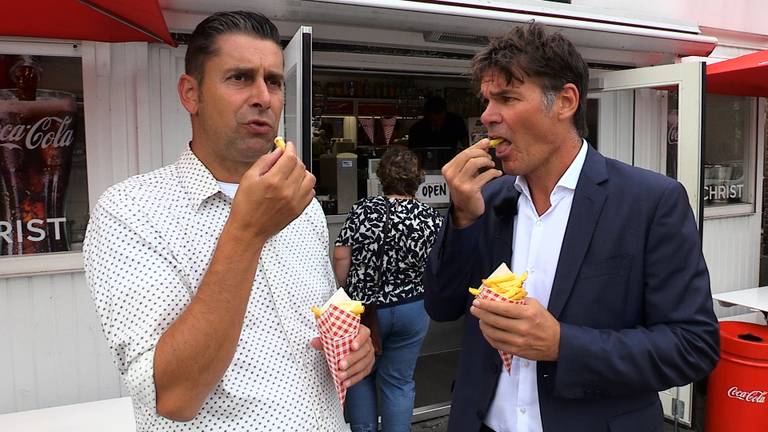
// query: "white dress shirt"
[[148, 245], [536, 249]]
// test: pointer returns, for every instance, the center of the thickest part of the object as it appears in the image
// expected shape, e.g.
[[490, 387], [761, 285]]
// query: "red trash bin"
[[737, 393]]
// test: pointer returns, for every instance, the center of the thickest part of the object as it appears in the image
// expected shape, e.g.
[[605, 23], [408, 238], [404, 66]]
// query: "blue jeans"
[[402, 330]]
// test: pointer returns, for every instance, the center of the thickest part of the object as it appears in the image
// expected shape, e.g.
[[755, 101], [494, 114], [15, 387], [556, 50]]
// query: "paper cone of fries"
[[338, 322], [504, 286]]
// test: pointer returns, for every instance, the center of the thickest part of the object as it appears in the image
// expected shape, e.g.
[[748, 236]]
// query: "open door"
[[297, 115], [652, 117]]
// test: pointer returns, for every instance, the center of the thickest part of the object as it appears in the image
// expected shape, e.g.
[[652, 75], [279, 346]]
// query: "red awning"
[[95, 20], [742, 76]]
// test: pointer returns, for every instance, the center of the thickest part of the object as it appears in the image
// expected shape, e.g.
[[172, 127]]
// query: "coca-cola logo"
[[754, 396], [47, 132]]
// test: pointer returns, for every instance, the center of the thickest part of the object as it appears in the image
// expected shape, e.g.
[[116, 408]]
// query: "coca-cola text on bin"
[[754, 396]]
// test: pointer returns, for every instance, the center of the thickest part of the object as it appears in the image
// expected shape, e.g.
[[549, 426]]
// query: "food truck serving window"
[[43, 183], [729, 153]]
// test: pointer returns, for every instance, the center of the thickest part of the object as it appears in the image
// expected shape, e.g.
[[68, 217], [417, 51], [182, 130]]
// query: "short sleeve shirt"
[[148, 246], [412, 232]]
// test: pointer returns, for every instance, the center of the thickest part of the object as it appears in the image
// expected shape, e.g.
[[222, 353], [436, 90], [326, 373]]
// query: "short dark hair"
[[548, 58], [399, 172], [202, 43]]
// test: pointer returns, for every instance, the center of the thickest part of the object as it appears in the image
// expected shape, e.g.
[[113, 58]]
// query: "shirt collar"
[[571, 176], [196, 179], [568, 180]]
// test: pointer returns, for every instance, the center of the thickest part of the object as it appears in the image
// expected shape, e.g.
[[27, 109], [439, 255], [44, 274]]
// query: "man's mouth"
[[258, 127], [502, 147]]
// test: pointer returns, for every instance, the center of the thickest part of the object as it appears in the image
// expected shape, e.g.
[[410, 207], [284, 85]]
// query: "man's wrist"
[[461, 219]]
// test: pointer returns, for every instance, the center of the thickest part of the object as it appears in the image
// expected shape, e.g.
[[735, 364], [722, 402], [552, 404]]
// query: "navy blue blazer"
[[631, 293]]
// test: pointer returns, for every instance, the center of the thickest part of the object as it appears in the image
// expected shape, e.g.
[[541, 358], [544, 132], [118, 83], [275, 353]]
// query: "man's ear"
[[567, 101], [189, 93]]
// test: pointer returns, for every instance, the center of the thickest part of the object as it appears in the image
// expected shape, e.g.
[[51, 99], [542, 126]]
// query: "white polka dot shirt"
[[149, 242]]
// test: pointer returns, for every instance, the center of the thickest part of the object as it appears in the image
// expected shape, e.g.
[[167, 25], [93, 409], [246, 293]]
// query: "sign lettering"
[[35, 230], [754, 396], [47, 132]]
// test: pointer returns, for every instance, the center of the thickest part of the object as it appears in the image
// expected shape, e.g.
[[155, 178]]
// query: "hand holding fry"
[[273, 192], [465, 181], [502, 287], [526, 330], [347, 344]]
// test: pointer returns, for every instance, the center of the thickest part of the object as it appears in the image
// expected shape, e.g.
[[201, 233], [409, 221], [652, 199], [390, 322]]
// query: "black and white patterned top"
[[148, 245], [412, 232]]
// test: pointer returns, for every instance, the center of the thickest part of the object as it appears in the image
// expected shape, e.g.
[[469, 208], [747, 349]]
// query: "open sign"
[[434, 190]]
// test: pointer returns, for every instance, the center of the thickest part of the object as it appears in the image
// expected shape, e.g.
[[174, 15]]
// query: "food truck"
[[358, 74]]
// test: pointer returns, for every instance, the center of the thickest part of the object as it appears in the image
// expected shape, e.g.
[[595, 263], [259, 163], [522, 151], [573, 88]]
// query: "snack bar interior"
[[358, 115]]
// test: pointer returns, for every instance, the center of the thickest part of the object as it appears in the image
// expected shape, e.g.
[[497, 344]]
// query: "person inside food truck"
[[606, 300], [439, 135], [203, 272]]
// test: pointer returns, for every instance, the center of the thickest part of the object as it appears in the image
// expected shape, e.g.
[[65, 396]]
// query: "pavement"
[[440, 424]]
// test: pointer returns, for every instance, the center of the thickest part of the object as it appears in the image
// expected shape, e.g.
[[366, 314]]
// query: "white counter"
[[754, 298], [113, 415]]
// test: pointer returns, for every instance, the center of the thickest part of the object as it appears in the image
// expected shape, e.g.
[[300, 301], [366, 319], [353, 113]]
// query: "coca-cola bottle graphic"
[[36, 140]]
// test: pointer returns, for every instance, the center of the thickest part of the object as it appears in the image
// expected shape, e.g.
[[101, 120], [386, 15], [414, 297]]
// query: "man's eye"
[[238, 77], [275, 83]]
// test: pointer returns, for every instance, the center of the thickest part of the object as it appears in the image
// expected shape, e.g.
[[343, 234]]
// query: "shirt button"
[[538, 223], [522, 410], [525, 364]]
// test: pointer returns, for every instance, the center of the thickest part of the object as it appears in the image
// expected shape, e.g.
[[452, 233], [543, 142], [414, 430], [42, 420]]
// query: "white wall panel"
[[120, 129], [53, 349], [732, 252], [174, 130]]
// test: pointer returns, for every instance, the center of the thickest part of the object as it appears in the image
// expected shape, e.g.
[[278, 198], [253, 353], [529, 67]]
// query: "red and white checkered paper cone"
[[489, 294], [338, 328]]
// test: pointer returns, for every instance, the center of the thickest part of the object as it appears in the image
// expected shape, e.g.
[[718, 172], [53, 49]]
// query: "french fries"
[[494, 142], [280, 143], [504, 283], [342, 301]]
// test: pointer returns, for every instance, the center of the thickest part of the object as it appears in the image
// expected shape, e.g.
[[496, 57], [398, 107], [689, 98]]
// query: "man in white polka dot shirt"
[[203, 272]]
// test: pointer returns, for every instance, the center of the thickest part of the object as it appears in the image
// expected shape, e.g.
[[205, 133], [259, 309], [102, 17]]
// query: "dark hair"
[[548, 58], [202, 43], [399, 172]]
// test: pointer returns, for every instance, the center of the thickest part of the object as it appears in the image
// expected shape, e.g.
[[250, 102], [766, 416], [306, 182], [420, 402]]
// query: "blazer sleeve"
[[677, 343], [449, 270]]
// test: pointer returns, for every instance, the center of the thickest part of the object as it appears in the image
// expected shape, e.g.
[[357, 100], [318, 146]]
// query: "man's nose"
[[490, 115], [260, 96]]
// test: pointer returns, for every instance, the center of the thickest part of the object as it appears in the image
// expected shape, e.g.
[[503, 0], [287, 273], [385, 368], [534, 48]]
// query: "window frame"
[[52, 262], [755, 130]]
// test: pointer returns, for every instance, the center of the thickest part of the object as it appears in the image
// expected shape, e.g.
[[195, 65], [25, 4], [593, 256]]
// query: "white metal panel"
[[118, 132], [111, 415], [615, 120], [586, 30], [650, 130], [732, 251], [175, 130], [53, 349]]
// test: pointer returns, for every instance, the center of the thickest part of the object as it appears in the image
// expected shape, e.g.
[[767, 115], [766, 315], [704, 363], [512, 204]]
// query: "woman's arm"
[[342, 258]]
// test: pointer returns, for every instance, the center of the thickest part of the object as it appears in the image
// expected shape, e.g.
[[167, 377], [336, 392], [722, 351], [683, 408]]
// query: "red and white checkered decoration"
[[489, 294], [338, 328]]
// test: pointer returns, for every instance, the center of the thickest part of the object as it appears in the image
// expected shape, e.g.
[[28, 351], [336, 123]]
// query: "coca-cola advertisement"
[[36, 142], [753, 396]]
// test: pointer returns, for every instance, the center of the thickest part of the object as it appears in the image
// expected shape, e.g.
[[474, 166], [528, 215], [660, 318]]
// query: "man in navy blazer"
[[619, 304]]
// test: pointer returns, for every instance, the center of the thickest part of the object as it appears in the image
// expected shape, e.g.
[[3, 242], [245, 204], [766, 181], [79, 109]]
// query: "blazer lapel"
[[588, 202]]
